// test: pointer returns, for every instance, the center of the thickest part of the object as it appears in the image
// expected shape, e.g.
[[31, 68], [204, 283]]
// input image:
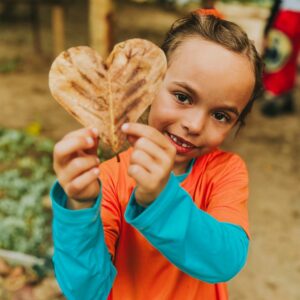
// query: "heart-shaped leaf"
[[106, 94]]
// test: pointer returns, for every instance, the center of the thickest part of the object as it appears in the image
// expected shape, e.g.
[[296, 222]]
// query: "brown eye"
[[222, 117], [182, 98]]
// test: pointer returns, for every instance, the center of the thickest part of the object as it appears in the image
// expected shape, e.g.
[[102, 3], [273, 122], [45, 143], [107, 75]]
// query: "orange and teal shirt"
[[191, 240]]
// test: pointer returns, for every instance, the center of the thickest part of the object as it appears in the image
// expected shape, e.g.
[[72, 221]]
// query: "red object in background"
[[282, 53]]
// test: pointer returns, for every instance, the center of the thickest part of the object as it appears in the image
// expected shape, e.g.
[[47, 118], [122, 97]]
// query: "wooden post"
[[58, 29], [35, 24], [208, 4], [100, 15]]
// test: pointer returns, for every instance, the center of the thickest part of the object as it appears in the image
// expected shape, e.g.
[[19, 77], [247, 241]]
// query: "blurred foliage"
[[25, 177], [179, 3], [258, 2], [8, 65]]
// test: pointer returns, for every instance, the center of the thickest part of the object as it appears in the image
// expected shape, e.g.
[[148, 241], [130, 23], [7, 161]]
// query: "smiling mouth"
[[182, 146]]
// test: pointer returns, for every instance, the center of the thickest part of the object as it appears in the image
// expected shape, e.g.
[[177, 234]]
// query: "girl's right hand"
[[76, 165]]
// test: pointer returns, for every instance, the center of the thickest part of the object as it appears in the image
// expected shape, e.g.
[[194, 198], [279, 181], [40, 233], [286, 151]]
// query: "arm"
[[190, 238], [193, 240], [82, 264]]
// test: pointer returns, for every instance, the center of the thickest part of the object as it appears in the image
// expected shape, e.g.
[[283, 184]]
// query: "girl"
[[173, 221]]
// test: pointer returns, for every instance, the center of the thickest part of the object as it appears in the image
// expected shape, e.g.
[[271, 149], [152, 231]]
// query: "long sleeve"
[[193, 240], [82, 263]]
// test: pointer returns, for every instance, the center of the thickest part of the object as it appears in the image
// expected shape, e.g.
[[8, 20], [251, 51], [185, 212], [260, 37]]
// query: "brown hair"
[[224, 33]]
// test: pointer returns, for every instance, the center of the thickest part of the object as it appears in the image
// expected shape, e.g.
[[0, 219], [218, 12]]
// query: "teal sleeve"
[[82, 263], [190, 238]]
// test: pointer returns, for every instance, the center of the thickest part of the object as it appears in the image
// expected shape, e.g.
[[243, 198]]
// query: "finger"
[[146, 182], [144, 160], [157, 153], [78, 166], [81, 182], [93, 150], [66, 147], [90, 131], [139, 174], [142, 130], [86, 132]]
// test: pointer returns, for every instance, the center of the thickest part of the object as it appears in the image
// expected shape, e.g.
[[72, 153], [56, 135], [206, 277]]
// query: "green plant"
[[25, 178], [8, 65]]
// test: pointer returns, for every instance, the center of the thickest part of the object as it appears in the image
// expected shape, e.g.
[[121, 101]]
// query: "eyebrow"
[[229, 108], [187, 87], [232, 109]]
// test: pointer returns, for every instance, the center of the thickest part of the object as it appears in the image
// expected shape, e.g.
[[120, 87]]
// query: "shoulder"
[[219, 163], [219, 158], [225, 187]]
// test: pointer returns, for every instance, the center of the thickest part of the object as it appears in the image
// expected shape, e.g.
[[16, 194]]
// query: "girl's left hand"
[[151, 161]]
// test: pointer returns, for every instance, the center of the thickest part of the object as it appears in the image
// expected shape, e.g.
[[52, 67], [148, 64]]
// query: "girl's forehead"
[[196, 48], [199, 55]]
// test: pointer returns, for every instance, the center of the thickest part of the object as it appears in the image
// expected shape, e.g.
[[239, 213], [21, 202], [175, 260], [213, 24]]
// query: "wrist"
[[76, 204], [143, 199]]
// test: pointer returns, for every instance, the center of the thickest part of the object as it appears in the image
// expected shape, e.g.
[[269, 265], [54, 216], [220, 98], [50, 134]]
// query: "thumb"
[[94, 149]]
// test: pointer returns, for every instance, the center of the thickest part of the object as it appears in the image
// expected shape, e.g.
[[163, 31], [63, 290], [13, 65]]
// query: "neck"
[[179, 169]]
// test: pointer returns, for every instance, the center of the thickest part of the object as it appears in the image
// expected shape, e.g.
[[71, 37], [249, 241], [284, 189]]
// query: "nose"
[[194, 122]]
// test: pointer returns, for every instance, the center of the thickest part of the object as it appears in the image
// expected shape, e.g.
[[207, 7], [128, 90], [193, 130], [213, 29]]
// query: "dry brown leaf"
[[16, 279], [12, 284], [47, 290], [4, 295], [32, 277], [17, 271], [107, 94], [4, 267], [25, 293]]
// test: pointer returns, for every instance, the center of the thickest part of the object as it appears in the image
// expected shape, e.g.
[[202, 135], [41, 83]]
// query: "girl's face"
[[205, 89]]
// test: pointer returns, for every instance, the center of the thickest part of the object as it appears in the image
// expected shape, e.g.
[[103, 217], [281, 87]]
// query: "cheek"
[[161, 111], [153, 114], [215, 137]]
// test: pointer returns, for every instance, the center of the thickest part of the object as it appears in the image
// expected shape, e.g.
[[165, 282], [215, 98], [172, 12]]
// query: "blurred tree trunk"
[[100, 21], [58, 29], [208, 3], [35, 25], [7, 11]]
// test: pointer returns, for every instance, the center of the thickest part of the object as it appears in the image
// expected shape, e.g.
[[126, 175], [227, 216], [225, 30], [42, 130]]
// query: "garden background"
[[31, 122]]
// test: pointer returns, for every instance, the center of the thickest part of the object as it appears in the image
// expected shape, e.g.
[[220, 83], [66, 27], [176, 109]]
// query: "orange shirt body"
[[218, 185]]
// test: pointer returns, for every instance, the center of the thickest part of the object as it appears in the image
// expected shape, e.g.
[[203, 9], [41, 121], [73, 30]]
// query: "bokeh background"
[[32, 33]]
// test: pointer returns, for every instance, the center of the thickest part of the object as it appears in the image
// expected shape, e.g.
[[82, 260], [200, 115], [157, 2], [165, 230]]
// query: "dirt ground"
[[271, 147]]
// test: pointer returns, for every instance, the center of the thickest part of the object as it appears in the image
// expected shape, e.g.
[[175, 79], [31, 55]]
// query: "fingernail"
[[97, 160], [96, 171], [90, 140], [95, 131], [125, 126]]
